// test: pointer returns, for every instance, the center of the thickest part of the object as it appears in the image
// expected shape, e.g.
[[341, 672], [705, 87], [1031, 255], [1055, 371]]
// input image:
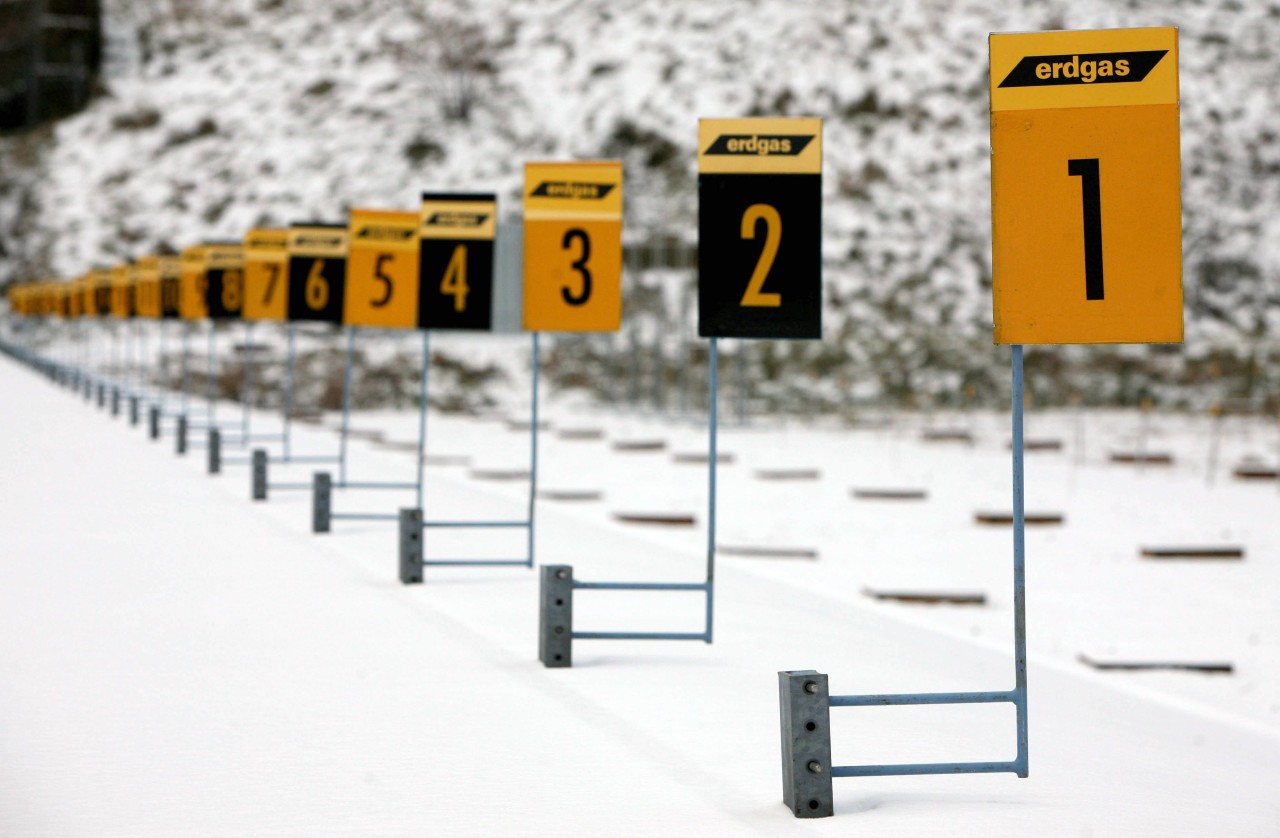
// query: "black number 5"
[[378, 267], [580, 266]]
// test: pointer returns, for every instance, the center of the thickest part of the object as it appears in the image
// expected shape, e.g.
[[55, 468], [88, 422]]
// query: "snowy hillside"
[[221, 115]]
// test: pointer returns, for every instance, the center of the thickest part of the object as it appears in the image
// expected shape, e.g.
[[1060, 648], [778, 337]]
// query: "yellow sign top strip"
[[590, 189], [1086, 69], [193, 258], [122, 274], [318, 241], [760, 146], [266, 244], [386, 230], [458, 218], [224, 256]]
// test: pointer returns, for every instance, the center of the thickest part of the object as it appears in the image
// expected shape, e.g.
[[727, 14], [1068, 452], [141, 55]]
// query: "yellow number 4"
[[455, 278]]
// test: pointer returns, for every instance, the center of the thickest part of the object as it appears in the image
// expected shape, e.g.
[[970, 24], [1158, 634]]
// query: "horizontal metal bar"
[[298, 486], [638, 635], [640, 586], [356, 485], [923, 768], [313, 459], [1010, 696], [476, 524], [236, 461], [463, 562], [366, 516]]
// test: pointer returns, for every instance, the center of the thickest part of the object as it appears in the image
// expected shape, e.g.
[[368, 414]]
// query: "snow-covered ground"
[[175, 659]]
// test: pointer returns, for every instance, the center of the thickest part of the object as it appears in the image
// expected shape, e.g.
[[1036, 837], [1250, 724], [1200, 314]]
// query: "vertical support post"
[[215, 451], [133, 410], [186, 365], [211, 387], [321, 501], [153, 421], [162, 386], [713, 458], [115, 400], [533, 447], [422, 411], [180, 437], [805, 709], [1019, 567], [411, 546], [555, 616], [290, 362], [346, 406], [246, 389], [259, 474]]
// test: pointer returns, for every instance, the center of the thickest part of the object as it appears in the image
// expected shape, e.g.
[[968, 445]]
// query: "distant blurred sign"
[[455, 260], [573, 246], [193, 284], [382, 270], [760, 228], [1085, 185], [123, 278]]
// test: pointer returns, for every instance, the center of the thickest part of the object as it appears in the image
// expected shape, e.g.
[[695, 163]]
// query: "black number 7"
[[1091, 198]]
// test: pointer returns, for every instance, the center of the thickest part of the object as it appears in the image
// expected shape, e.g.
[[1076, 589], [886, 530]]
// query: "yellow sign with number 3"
[[573, 247]]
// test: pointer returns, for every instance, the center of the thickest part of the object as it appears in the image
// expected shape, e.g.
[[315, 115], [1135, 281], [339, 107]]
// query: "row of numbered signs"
[[1085, 206]]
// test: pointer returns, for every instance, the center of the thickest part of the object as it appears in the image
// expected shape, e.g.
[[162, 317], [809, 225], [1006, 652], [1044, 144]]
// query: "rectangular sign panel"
[[760, 228], [122, 290], [317, 271], [148, 293], [1086, 187], [266, 266], [191, 300], [224, 286], [455, 255], [100, 285], [382, 270], [573, 246]]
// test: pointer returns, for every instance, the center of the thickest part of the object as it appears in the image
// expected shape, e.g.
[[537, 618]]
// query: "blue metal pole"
[[247, 390], [210, 387], [1019, 567], [288, 387], [186, 365], [164, 386], [714, 389], [346, 406], [422, 410], [533, 444]]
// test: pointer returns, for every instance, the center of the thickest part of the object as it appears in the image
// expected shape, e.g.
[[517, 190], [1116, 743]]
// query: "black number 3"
[[580, 266]]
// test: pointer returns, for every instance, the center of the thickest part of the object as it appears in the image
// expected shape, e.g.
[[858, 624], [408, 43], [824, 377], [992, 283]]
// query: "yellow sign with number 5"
[[382, 270]]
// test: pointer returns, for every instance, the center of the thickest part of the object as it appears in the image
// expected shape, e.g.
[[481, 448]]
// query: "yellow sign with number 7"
[[573, 246]]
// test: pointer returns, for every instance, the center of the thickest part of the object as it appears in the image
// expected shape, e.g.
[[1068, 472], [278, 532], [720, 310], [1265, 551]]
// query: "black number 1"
[[1091, 198]]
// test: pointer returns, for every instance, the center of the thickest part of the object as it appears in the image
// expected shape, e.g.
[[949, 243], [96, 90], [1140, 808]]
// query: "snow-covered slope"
[[234, 113]]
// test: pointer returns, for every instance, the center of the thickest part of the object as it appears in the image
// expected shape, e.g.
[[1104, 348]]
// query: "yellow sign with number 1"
[[573, 246], [1086, 212]]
